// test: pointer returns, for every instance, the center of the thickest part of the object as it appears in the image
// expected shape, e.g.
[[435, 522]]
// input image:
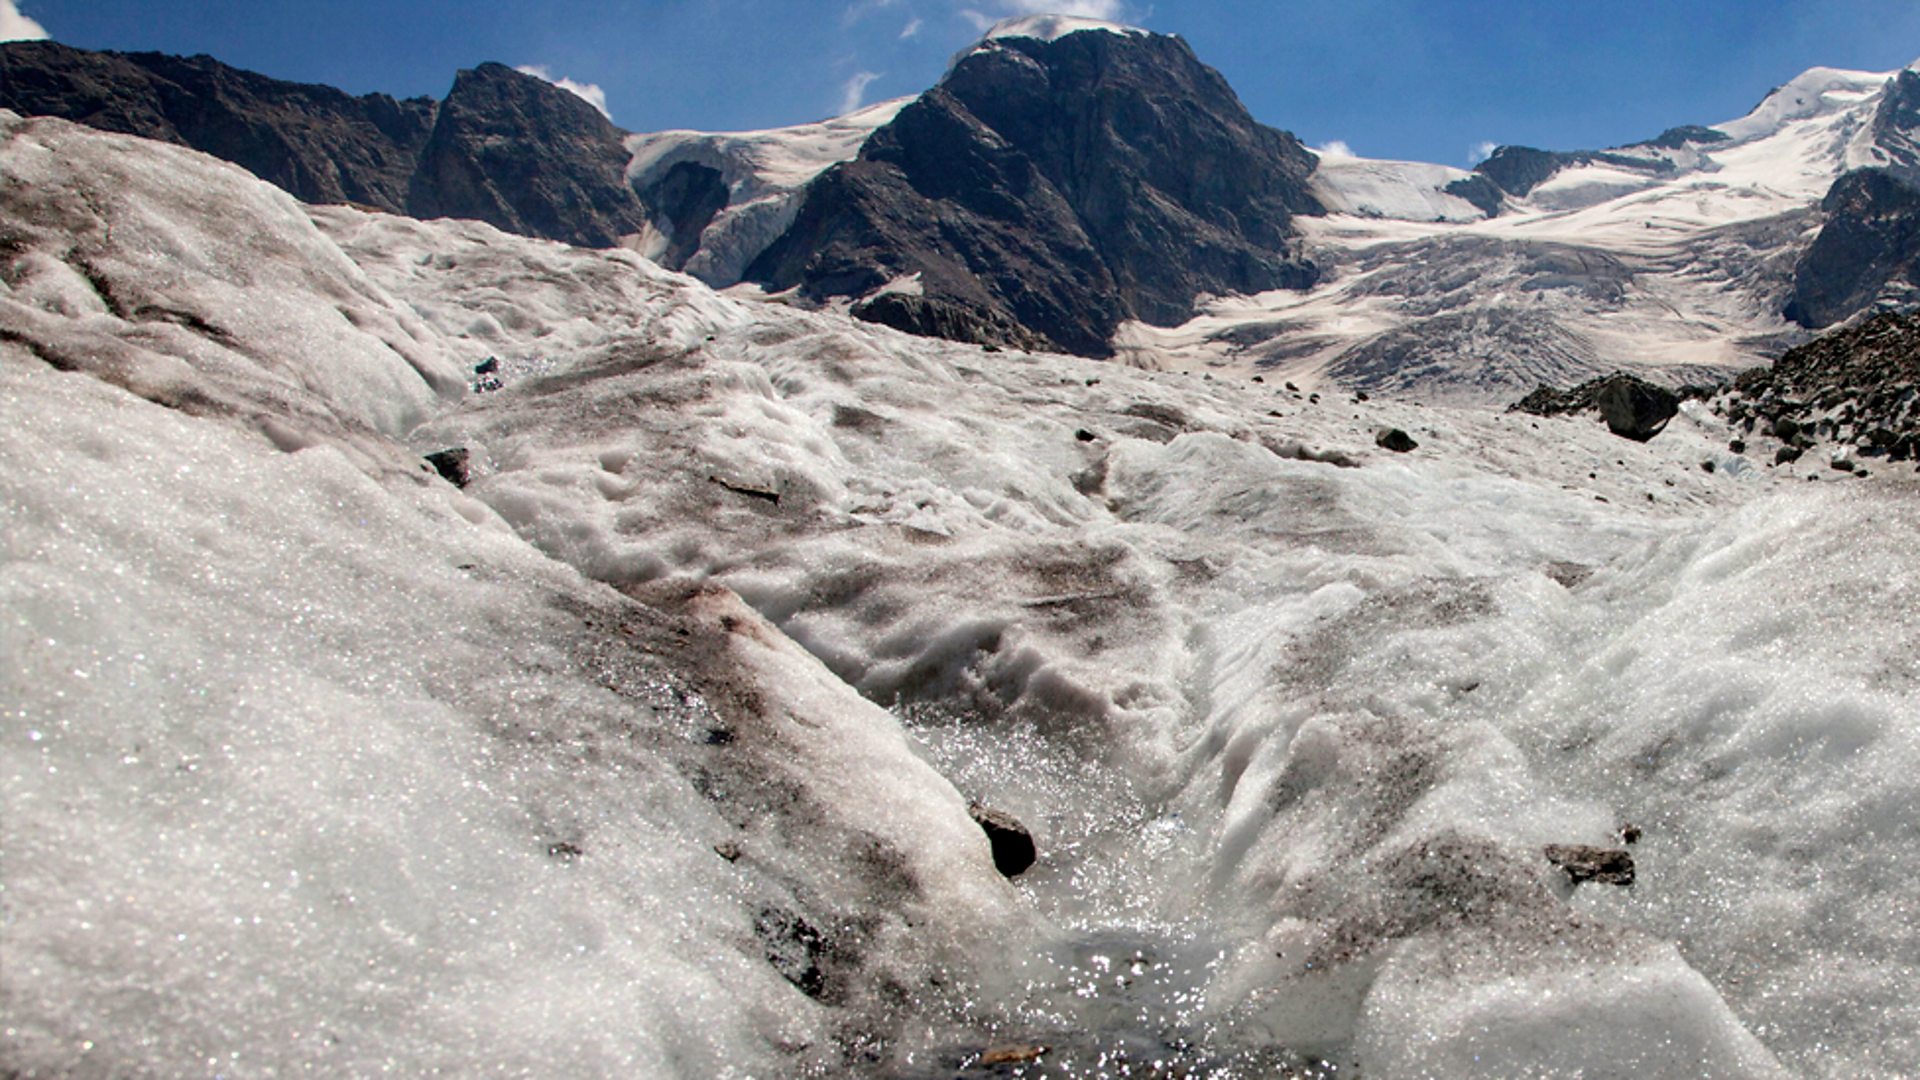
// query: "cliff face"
[[1058, 186], [525, 156], [1869, 248]]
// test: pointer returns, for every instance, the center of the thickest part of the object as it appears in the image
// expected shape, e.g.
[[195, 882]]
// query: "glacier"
[[649, 751]]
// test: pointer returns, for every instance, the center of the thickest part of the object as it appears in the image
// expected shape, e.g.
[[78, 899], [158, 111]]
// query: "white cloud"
[[1481, 151], [854, 91], [587, 92], [1109, 10], [913, 27], [17, 27], [1335, 148]]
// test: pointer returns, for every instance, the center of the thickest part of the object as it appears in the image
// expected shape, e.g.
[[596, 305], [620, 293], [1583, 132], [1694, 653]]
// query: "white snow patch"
[[1055, 27], [1402, 190]]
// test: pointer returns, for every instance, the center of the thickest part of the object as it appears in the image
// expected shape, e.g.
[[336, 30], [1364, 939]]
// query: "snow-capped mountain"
[[1682, 257]]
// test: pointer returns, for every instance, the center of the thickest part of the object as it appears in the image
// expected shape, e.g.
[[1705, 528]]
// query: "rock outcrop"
[[1868, 251], [1857, 389]]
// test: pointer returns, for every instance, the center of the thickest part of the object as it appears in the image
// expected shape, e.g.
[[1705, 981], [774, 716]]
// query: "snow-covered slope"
[[648, 753], [1400, 190], [1053, 27], [1693, 240], [763, 171]]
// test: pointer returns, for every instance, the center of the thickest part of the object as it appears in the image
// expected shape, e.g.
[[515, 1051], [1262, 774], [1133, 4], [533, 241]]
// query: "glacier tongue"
[[314, 761]]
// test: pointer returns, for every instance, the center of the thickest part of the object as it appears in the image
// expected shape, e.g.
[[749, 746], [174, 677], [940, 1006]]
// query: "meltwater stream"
[[1118, 987]]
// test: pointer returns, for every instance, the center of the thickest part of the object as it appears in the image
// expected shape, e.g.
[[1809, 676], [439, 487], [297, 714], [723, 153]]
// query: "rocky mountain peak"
[[528, 157], [1063, 180]]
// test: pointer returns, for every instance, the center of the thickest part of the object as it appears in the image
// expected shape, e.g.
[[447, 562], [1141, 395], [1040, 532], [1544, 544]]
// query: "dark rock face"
[[1632, 407], [1062, 187], [944, 319], [1869, 247], [1677, 137], [1857, 388], [505, 148], [1896, 124], [1013, 849], [1520, 169], [528, 157], [686, 198], [316, 142], [1480, 191]]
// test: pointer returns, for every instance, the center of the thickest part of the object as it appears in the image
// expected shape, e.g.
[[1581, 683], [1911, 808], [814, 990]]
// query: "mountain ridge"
[[1040, 197]]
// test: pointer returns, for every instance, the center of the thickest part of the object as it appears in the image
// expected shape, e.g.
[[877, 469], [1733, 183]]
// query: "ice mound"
[[650, 751], [312, 763], [270, 319]]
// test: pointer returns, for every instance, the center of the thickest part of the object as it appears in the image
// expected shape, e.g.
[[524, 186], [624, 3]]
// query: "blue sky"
[[1419, 79]]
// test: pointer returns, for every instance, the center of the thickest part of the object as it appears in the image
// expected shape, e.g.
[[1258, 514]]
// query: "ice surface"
[[311, 760]]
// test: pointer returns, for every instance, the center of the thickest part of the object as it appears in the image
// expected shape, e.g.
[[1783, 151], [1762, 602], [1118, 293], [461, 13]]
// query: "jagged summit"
[[1049, 189]]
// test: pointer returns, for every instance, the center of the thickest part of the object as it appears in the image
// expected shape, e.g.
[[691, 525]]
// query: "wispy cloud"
[[853, 92], [1110, 10], [1335, 148], [1480, 152], [17, 27], [860, 9], [913, 27], [588, 92]]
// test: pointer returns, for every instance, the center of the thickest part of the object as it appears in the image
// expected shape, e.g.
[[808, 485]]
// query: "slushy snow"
[[649, 752]]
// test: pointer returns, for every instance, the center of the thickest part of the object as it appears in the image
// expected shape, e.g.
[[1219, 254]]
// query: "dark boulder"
[[1395, 440], [1581, 863], [1013, 847], [452, 465], [1634, 408]]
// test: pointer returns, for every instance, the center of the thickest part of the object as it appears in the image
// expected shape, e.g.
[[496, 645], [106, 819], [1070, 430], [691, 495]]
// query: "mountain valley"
[[488, 593]]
